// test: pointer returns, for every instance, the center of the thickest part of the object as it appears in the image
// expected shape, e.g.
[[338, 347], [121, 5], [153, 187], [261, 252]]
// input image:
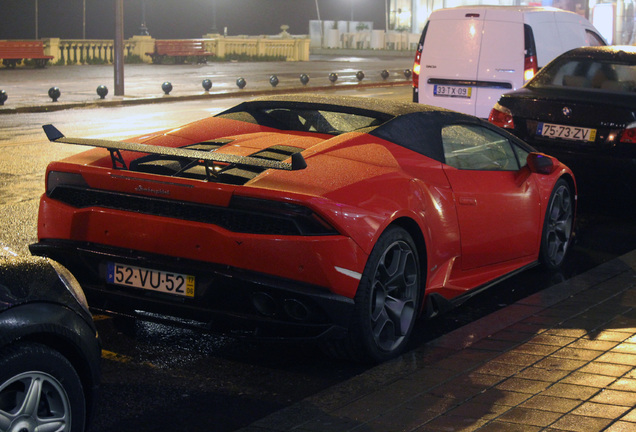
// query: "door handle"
[[472, 201]]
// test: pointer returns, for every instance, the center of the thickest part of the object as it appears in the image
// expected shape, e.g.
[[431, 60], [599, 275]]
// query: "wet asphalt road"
[[159, 378]]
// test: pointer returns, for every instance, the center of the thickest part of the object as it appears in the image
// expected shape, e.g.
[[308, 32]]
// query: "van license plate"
[[452, 91], [566, 132], [153, 280]]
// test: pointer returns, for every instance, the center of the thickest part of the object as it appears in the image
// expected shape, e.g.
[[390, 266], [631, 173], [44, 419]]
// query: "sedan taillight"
[[501, 116], [629, 134]]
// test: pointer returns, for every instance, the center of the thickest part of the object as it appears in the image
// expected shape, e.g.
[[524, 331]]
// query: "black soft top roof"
[[348, 104], [407, 124]]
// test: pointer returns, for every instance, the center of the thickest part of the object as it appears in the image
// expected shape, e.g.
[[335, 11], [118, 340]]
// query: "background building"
[[165, 19], [614, 19]]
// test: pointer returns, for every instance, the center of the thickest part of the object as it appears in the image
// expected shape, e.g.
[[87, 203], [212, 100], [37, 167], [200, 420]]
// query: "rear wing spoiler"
[[209, 158]]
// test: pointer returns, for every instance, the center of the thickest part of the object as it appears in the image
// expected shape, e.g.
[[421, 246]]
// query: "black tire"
[[32, 373], [386, 303], [557, 226]]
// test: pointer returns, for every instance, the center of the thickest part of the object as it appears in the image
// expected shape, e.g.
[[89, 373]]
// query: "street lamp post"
[[213, 30], [83, 19], [36, 20], [118, 55], [143, 29]]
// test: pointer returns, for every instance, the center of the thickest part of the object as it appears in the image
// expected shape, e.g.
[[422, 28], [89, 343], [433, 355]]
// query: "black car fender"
[[59, 328]]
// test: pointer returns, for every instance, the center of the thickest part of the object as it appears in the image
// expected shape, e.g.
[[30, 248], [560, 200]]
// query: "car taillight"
[[529, 67], [303, 219], [501, 116], [58, 178], [416, 67], [629, 134]]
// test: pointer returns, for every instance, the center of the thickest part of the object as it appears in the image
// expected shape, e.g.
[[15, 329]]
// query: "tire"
[[32, 373], [386, 303], [557, 226]]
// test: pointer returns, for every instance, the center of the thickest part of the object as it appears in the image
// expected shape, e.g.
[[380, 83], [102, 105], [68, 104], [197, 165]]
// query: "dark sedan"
[[49, 350], [581, 108]]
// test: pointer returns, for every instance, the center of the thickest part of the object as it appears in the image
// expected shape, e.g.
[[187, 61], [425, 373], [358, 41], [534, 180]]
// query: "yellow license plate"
[[573, 133], [149, 279], [452, 91]]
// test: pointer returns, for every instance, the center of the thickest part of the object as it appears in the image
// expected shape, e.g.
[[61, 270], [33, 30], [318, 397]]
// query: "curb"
[[167, 98]]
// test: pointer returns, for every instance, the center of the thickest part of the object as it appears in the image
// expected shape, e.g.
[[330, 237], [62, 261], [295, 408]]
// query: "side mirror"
[[541, 163]]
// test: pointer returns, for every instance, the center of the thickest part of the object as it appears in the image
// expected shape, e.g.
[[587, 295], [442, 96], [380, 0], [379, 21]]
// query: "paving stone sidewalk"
[[563, 359]]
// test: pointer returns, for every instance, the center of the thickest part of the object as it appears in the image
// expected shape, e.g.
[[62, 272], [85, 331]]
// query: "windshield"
[[588, 74]]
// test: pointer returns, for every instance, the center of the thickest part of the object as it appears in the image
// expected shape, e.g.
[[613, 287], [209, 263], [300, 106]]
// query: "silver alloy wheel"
[[394, 296], [34, 401], [558, 229]]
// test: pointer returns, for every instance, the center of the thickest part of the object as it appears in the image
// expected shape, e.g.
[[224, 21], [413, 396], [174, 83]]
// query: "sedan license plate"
[[452, 91], [573, 133], [153, 280]]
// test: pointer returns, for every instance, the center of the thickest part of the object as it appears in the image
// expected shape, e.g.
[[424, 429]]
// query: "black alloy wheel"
[[557, 227], [387, 300]]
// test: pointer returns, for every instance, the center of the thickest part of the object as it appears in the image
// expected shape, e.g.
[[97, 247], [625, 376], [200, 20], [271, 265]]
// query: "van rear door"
[[548, 36], [501, 64], [450, 58]]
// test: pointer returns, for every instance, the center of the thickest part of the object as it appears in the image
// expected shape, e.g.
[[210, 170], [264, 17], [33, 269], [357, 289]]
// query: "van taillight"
[[529, 68], [416, 67]]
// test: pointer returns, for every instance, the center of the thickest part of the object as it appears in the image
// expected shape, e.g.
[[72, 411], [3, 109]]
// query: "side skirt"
[[436, 304]]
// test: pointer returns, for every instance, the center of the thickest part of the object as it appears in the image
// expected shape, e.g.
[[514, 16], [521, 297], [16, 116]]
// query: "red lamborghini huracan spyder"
[[338, 218]]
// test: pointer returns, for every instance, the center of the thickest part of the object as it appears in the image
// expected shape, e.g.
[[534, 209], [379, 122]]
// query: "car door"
[[497, 203]]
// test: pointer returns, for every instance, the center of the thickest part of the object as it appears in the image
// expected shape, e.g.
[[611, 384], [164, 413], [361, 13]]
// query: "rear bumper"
[[227, 299]]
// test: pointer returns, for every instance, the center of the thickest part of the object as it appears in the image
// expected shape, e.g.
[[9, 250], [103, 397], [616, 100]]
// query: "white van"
[[468, 56]]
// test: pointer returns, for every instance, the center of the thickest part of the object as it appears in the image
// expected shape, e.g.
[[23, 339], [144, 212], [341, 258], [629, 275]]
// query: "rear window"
[[307, 120], [588, 74], [592, 39], [528, 41], [321, 121]]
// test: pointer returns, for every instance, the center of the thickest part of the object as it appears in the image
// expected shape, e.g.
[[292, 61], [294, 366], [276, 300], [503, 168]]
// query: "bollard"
[[384, 74], [54, 93], [241, 83], [3, 97], [407, 73], [333, 77], [166, 87], [360, 75], [102, 91], [273, 80], [207, 84], [304, 79]]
